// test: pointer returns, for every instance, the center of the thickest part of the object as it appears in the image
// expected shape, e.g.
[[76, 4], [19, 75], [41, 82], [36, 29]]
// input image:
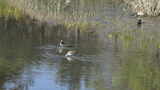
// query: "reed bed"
[[70, 13], [148, 7]]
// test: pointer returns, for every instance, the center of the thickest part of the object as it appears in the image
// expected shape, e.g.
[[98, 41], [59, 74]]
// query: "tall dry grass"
[[148, 7]]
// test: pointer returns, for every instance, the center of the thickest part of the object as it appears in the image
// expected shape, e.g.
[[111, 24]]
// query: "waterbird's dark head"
[[61, 43]]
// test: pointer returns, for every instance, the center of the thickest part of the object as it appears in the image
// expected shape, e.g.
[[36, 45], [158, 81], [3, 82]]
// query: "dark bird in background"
[[139, 22]]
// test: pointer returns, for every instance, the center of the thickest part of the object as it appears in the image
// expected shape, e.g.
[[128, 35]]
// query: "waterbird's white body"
[[70, 53]]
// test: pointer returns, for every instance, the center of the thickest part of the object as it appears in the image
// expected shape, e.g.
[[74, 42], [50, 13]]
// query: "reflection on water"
[[138, 60], [29, 59], [125, 59]]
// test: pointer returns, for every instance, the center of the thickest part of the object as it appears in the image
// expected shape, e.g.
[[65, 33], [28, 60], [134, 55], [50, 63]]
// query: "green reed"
[[74, 13], [6, 10]]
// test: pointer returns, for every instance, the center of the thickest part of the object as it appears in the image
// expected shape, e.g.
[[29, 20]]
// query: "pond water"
[[30, 60], [119, 55]]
